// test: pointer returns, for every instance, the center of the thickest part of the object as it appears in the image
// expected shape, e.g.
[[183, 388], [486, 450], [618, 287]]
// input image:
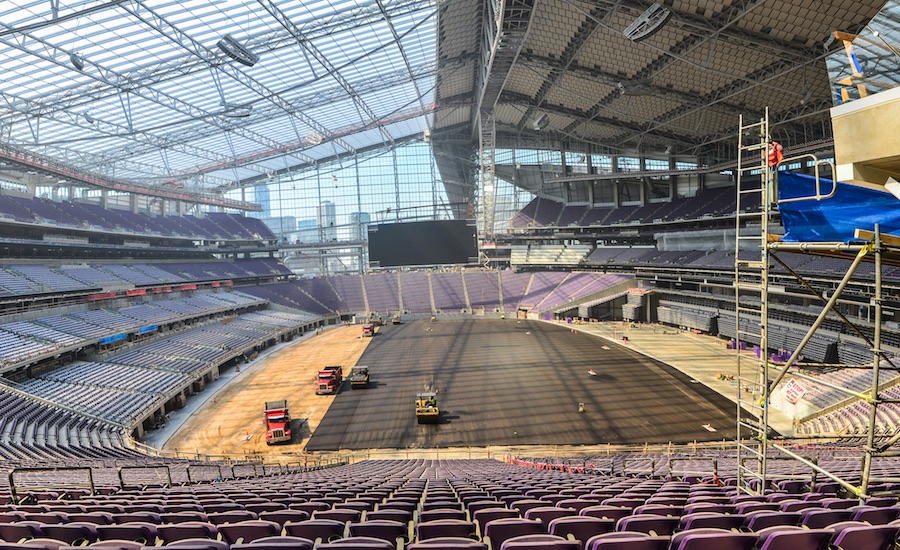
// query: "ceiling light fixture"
[[77, 61], [648, 23], [237, 51], [540, 122], [234, 110]]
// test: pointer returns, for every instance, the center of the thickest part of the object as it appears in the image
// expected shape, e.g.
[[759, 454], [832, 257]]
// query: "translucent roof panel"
[[143, 90]]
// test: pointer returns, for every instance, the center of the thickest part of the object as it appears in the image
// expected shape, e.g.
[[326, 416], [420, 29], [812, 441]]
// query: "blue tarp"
[[148, 328], [111, 339], [834, 219]]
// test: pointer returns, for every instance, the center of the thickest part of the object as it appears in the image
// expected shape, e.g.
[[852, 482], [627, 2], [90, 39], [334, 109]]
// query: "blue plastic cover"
[[112, 339], [833, 220]]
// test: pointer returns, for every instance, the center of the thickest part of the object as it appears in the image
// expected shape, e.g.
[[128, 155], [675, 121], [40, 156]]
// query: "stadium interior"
[[625, 274]]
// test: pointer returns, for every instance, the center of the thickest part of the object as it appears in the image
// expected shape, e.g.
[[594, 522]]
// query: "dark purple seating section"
[[627, 258], [243, 510], [213, 226], [421, 292], [35, 279], [128, 386], [542, 212]]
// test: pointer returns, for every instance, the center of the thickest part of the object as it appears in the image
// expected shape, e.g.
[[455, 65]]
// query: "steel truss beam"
[[49, 52], [166, 29], [306, 44], [260, 115], [82, 95]]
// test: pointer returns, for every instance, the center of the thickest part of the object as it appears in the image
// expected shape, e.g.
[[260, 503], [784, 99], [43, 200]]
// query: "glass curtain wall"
[[333, 202]]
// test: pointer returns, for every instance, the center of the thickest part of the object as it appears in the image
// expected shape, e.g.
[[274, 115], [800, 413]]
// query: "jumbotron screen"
[[423, 243]]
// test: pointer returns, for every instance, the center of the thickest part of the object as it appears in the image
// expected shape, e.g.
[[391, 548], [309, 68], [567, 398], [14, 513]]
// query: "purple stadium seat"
[[111, 545], [798, 505], [395, 515], [483, 516], [283, 516], [499, 530], [606, 511], [188, 530], [442, 513], [852, 534], [276, 543], [580, 528], [658, 509], [344, 515], [747, 507], [873, 515], [33, 544], [15, 532], [793, 538], [198, 544], [626, 541], [138, 531], [700, 520], [184, 516], [546, 514], [97, 518], [445, 528], [357, 543], [325, 529], [539, 542], [384, 529], [523, 505], [757, 521], [819, 518], [576, 504], [648, 523], [75, 534], [230, 516], [712, 539], [447, 543], [248, 531]]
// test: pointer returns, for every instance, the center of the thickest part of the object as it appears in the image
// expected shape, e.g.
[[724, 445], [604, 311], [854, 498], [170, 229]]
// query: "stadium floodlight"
[[234, 110], [237, 51], [77, 61], [648, 22]]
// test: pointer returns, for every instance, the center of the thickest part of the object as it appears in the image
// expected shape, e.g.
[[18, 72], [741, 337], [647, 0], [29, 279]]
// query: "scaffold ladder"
[[754, 212]]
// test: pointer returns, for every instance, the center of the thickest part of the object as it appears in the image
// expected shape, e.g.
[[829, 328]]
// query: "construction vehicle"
[[369, 330], [395, 320], [359, 377], [427, 411], [330, 379], [278, 422]]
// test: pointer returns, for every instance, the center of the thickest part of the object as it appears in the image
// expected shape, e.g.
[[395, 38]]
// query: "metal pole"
[[876, 352], [821, 318]]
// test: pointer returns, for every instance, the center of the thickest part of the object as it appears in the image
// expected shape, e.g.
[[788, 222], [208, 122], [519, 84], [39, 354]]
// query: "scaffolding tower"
[[756, 252]]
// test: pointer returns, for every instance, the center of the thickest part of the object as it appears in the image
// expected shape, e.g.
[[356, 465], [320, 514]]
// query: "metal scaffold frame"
[[756, 380]]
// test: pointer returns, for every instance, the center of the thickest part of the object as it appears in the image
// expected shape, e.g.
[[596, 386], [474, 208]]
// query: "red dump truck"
[[278, 422], [330, 379], [369, 329]]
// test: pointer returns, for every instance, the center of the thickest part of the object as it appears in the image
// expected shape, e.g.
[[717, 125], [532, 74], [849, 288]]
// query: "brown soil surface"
[[231, 422]]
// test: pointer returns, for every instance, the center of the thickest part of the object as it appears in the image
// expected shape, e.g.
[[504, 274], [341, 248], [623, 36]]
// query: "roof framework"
[[137, 90], [156, 102]]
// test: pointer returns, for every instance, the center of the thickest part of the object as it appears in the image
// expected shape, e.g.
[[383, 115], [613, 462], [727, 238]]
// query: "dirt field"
[[231, 423]]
